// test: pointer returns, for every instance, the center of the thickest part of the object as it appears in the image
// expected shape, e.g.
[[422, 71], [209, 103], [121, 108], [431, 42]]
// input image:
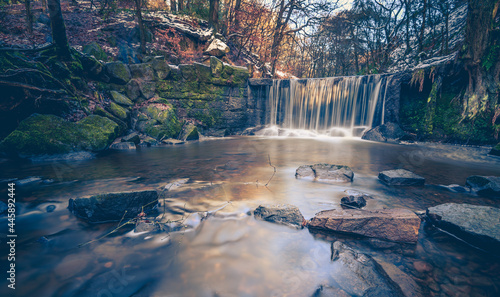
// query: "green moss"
[[121, 99], [103, 113], [49, 134], [118, 111], [159, 121], [94, 49]]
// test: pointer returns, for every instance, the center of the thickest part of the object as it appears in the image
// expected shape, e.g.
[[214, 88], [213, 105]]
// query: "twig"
[[269, 157]]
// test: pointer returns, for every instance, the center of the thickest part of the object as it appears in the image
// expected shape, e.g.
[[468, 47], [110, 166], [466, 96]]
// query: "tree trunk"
[[142, 30], [213, 15], [481, 56], [29, 16], [180, 5], [237, 7], [59, 37], [422, 29], [173, 6]]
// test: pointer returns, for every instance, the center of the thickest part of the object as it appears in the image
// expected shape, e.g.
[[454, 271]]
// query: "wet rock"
[[327, 291], [146, 227], [50, 208], [401, 177], [326, 173], [488, 186], [123, 146], [359, 275], [495, 151], [353, 202], [189, 132], [217, 48], [113, 206], [148, 142], [389, 224], [477, 225], [132, 137], [175, 184], [407, 284], [117, 72], [386, 132], [282, 214], [121, 99], [171, 141]]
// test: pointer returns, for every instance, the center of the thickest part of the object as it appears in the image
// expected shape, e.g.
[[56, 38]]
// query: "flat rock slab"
[[284, 214], [478, 225], [112, 206], [401, 177], [325, 173], [359, 275], [390, 224], [488, 186]]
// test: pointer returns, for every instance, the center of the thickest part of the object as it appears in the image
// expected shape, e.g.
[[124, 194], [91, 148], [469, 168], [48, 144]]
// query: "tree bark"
[[422, 28], [142, 30], [59, 37], [29, 16], [173, 6], [213, 15]]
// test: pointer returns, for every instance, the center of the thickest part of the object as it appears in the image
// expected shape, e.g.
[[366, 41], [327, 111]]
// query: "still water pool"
[[231, 253]]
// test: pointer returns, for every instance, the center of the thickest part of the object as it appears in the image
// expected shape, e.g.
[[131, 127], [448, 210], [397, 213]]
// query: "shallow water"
[[232, 254]]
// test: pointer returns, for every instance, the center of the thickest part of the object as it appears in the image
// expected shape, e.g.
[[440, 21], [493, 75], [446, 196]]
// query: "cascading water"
[[337, 106]]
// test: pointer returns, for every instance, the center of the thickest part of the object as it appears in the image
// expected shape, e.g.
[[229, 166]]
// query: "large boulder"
[[326, 173], [94, 49], [282, 214], [488, 186], [117, 72], [477, 225], [386, 132], [113, 206], [158, 120], [359, 275], [217, 48], [49, 135], [401, 177], [390, 224], [189, 132], [121, 99]]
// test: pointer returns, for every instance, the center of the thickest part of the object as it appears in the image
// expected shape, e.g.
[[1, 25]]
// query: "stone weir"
[[337, 106]]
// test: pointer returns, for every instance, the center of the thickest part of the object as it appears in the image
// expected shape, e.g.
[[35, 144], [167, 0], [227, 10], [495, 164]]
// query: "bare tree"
[[59, 37]]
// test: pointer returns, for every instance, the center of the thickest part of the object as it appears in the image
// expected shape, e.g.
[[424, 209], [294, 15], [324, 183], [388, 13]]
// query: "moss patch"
[[49, 134]]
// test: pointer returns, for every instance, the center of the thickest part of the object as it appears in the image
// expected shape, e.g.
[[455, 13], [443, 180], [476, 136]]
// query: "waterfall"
[[336, 106]]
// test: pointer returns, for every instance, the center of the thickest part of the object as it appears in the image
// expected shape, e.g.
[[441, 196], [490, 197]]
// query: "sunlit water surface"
[[232, 254]]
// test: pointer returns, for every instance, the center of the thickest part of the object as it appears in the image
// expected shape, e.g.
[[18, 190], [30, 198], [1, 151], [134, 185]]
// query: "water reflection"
[[232, 254]]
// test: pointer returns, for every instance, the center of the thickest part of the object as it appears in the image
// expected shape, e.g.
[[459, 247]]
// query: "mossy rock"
[[189, 132], [495, 150], [158, 121], [203, 72], [148, 89], [188, 71], [121, 99], [94, 49], [103, 113], [133, 89], [142, 71], [161, 68], [118, 73], [118, 111], [49, 135], [216, 66]]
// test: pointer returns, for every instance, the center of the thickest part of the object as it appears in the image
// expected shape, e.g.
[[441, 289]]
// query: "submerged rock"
[[401, 177], [282, 214], [123, 146], [132, 137], [359, 275], [146, 227], [386, 132], [353, 202], [326, 173], [408, 286], [175, 184], [113, 206], [455, 188], [488, 186], [477, 225], [390, 224]]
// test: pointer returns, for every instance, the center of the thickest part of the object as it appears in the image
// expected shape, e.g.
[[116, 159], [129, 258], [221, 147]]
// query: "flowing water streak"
[[336, 106]]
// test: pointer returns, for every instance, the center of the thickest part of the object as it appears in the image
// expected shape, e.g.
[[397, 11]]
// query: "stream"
[[232, 253]]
